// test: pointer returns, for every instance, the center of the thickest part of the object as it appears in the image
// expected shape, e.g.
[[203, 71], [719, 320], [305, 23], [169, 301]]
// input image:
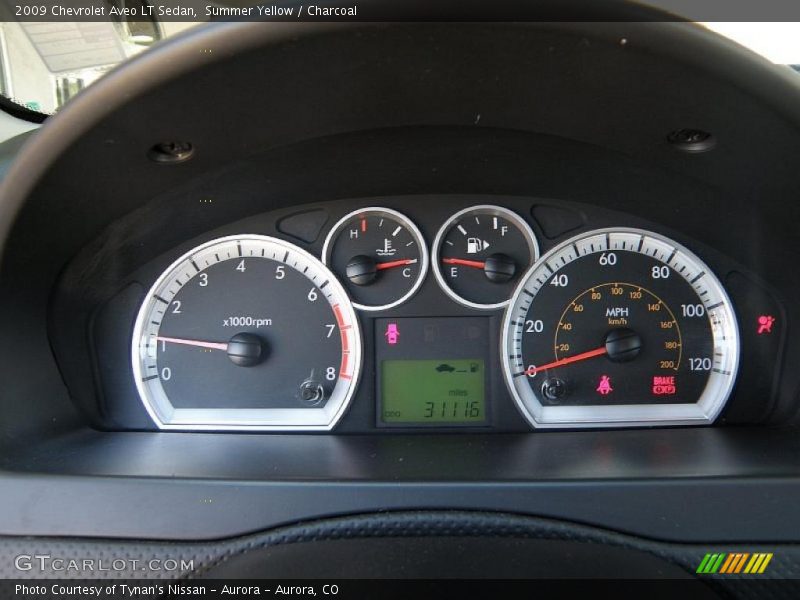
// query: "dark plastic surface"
[[371, 544], [547, 111], [688, 485], [466, 557]]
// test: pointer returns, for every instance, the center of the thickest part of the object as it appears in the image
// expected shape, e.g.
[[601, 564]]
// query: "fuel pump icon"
[[475, 245]]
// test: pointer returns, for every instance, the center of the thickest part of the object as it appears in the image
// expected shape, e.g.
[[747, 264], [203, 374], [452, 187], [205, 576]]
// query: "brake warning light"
[[664, 386]]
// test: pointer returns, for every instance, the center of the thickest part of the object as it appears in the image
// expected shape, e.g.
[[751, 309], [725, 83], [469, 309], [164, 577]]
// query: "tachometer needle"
[[477, 264], [394, 263], [566, 361], [198, 343]]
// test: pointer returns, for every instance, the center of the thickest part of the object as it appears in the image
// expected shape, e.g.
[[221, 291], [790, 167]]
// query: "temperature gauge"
[[379, 255], [479, 254]]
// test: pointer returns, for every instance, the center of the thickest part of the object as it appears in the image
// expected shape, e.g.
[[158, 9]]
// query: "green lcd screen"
[[433, 391]]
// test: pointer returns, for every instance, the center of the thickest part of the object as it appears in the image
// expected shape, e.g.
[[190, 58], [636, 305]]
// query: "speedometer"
[[246, 332], [620, 327]]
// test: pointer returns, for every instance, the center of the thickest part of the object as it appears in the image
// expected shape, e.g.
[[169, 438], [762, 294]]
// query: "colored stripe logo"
[[734, 562]]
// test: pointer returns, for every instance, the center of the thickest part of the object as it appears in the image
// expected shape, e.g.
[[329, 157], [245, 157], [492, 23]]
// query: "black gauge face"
[[246, 332], [480, 254], [620, 326], [379, 256]]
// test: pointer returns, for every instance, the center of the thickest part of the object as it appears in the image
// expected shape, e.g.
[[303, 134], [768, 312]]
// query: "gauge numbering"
[[246, 332], [620, 327]]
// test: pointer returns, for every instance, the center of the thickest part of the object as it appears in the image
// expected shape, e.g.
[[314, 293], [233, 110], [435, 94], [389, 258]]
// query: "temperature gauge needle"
[[567, 361], [395, 263], [476, 264], [198, 343]]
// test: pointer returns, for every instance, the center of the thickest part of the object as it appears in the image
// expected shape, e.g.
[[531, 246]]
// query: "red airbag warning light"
[[664, 386], [765, 323]]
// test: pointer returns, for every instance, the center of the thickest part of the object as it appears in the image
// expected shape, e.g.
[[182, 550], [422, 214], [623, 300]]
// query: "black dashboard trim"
[[61, 477], [155, 486]]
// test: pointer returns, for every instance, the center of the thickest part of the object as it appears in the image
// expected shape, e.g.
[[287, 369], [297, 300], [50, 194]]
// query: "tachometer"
[[620, 327], [246, 332]]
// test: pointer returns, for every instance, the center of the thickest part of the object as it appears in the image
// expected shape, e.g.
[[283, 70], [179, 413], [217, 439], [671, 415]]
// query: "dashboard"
[[436, 313], [271, 286]]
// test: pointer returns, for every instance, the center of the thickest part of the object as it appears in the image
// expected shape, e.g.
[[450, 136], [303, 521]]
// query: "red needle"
[[395, 263], [478, 264], [199, 343], [569, 360]]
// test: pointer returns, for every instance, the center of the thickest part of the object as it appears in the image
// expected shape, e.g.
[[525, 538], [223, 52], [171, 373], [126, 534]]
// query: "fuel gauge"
[[480, 253], [379, 255]]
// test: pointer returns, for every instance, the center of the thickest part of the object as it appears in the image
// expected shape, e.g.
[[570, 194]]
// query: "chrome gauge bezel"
[[424, 258], [158, 405], [719, 309], [486, 209]]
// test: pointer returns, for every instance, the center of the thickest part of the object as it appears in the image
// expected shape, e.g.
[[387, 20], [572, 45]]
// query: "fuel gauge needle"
[[476, 264], [198, 343]]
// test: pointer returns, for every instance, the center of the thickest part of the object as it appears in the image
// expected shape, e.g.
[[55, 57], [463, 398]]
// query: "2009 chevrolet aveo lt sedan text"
[[320, 304]]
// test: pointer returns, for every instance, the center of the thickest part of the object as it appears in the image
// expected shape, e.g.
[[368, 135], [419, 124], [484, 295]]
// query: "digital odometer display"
[[433, 391], [432, 371]]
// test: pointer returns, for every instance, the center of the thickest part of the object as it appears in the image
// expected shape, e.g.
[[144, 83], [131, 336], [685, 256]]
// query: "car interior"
[[407, 299]]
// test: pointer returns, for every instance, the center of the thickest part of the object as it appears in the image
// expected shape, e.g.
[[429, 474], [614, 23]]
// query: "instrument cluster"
[[456, 322]]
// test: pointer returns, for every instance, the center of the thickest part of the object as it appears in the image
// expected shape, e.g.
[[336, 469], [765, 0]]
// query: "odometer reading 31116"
[[620, 327]]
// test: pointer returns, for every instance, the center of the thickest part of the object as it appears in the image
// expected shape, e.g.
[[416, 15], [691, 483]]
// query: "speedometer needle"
[[567, 361], [622, 345], [395, 263], [198, 343]]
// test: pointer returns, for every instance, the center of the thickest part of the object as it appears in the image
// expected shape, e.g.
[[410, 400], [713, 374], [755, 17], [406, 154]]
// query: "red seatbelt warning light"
[[664, 386], [765, 323], [604, 387]]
